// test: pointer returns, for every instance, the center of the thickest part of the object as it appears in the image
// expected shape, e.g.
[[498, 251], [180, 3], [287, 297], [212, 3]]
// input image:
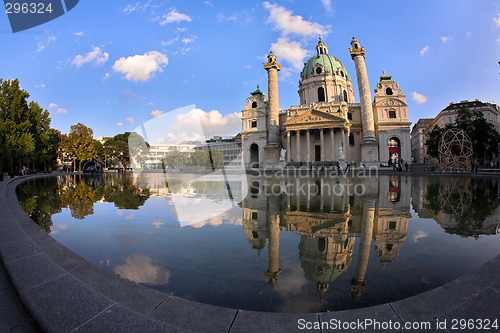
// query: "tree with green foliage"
[[117, 151], [79, 144], [138, 149], [176, 159], [432, 142]]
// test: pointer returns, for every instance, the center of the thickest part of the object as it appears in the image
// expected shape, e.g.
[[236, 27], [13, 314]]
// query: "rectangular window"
[[349, 115], [351, 139], [392, 225], [392, 114], [254, 123], [254, 216]]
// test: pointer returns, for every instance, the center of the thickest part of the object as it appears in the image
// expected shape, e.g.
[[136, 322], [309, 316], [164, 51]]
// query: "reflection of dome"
[[322, 273]]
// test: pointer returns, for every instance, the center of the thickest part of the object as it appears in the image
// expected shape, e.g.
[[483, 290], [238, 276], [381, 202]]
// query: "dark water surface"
[[290, 245]]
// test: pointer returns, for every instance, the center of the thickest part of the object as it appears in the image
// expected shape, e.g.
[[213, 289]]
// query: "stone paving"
[[65, 293]]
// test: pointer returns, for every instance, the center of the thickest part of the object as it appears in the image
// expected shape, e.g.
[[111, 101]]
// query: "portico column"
[[308, 146], [346, 142], [322, 145], [332, 141], [298, 145], [288, 146]]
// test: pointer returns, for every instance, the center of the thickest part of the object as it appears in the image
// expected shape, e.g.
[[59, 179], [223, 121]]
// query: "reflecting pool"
[[281, 245]]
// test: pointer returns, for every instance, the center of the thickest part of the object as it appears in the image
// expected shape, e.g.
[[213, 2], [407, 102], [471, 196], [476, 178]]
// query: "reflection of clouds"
[[232, 216], [140, 269], [127, 241], [420, 234], [119, 212], [130, 217], [291, 287], [157, 223], [58, 227]]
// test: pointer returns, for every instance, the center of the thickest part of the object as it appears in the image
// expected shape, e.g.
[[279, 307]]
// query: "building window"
[[351, 139], [388, 91], [345, 96], [254, 104], [254, 216], [318, 70], [342, 73], [349, 115], [254, 123], [392, 225], [321, 94], [392, 113]]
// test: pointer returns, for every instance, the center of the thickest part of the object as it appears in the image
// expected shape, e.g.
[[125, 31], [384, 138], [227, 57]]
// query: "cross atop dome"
[[321, 47]]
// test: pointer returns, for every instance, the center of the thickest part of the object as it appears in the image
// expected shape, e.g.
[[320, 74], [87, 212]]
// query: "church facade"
[[328, 126]]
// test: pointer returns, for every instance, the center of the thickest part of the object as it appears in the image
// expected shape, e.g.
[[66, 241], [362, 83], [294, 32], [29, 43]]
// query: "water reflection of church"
[[329, 223]]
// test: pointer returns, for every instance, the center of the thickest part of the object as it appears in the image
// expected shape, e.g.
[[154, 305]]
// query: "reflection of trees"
[[42, 198], [125, 195], [466, 204]]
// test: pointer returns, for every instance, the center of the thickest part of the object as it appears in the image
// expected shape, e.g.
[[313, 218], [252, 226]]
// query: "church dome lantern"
[[322, 63]]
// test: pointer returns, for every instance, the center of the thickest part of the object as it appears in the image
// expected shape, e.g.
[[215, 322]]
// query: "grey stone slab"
[[426, 306], [4, 278], [12, 233], [12, 312], [133, 296], [64, 304], [120, 319], [92, 275], [483, 305], [252, 321], [31, 271], [18, 249], [30, 327], [194, 316], [61, 255], [366, 319]]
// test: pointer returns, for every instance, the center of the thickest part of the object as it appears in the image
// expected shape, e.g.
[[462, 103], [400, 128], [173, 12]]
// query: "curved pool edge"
[[64, 292]]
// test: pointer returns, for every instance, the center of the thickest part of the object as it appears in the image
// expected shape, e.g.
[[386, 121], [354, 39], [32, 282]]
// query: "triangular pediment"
[[313, 117]]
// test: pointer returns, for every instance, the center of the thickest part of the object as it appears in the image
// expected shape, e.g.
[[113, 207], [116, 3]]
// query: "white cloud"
[[222, 18], [79, 33], [131, 8], [498, 40], [189, 40], [42, 45], [41, 85], [96, 56], [444, 39], [157, 223], [156, 113], [130, 120], [419, 235], [141, 67], [174, 16], [119, 124], [424, 50], [283, 20], [170, 42], [212, 122], [55, 109], [419, 98], [328, 6], [290, 51], [497, 20], [208, 3]]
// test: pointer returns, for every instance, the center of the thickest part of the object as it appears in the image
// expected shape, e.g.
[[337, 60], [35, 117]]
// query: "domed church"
[[328, 126]]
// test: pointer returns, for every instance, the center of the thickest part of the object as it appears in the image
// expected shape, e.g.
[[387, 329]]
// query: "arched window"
[[254, 104], [345, 96], [321, 94], [342, 73], [318, 70], [321, 244], [388, 91]]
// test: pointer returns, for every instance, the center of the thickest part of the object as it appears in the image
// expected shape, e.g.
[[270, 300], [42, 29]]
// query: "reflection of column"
[[297, 194], [298, 145], [346, 142], [322, 146], [288, 146], [358, 281], [273, 270], [322, 197], [308, 145], [308, 202], [332, 141]]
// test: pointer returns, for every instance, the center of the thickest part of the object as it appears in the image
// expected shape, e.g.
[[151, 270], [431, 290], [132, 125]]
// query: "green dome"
[[330, 64]]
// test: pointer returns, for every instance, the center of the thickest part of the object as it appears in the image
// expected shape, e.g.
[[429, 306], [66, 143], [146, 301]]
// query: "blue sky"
[[113, 65]]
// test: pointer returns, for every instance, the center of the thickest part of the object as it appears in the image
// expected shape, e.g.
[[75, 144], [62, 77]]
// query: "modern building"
[[230, 148], [418, 140], [328, 125], [157, 152]]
